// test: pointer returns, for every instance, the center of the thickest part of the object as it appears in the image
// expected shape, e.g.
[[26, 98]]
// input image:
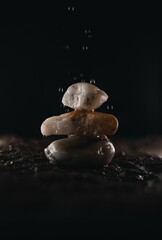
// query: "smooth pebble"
[[80, 151]]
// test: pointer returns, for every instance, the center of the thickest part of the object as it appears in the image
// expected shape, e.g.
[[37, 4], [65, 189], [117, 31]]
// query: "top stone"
[[84, 96]]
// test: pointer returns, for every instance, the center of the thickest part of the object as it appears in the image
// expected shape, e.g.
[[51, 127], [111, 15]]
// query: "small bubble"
[[92, 81], [61, 89]]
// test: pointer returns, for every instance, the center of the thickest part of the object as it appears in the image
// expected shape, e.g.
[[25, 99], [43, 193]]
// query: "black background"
[[118, 46]]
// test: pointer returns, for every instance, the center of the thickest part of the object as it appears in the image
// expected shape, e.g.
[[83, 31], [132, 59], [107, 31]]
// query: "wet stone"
[[93, 124], [84, 96], [89, 145], [80, 151]]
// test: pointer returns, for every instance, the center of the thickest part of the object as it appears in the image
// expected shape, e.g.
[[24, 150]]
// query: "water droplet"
[[100, 151], [85, 48], [112, 107], [71, 8], [140, 177], [123, 153], [108, 107], [10, 147], [87, 31], [62, 105], [61, 89], [104, 137], [66, 47], [92, 81]]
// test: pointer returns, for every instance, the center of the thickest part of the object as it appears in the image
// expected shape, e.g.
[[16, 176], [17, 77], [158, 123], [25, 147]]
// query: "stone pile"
[[87, 130]]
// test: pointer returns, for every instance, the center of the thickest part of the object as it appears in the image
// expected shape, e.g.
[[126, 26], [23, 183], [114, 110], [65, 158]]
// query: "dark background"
[[118, 46]]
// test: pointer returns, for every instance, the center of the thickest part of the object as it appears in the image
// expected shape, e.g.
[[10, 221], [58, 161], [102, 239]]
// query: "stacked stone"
[[87, 143]]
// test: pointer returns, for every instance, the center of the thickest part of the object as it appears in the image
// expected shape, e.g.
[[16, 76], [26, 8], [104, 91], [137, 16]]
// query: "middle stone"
[[80, 123]]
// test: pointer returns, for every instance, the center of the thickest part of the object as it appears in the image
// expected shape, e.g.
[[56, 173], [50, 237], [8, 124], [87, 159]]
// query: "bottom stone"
[[80, 151]]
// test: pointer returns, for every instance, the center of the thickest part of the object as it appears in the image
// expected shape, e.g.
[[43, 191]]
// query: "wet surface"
[[126, 192]]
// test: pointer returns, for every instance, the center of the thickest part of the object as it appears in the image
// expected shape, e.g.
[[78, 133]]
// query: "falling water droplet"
[[100, 151], [61, 89], [85, 48], [87, 31], [67, 110], [92, 81], [71, 8], [66, 47], [123, 153]]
